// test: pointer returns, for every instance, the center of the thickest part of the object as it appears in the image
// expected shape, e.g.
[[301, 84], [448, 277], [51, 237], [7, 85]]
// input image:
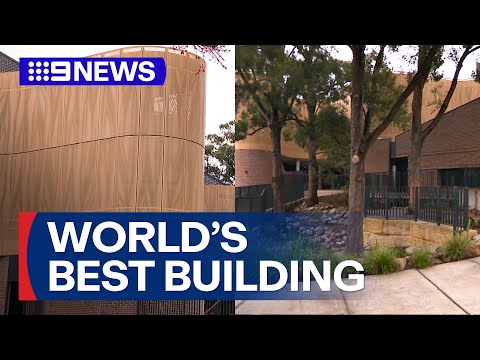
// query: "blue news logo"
[[92, 71]]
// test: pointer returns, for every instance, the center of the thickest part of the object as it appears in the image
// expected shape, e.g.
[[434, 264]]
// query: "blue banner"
[[92, 71], [175, 256]]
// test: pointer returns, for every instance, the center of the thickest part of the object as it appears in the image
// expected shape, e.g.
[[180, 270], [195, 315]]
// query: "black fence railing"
[[259, 198], [219, 307], [439, 204]]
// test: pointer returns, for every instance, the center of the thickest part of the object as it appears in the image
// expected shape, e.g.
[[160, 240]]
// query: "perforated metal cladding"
[[110, 148], [136, 148], [219, 198]]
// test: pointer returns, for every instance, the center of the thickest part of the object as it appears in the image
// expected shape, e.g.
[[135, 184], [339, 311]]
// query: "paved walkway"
[[328, 192], [452, 288]]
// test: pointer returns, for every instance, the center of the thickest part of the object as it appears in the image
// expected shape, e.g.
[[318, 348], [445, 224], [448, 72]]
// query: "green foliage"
[[421, 258], [330, 129], [399, 252], [268, 86], [380, 260], [302, 248], [381, 92], [220, 154], [321, 123], [457, 247]]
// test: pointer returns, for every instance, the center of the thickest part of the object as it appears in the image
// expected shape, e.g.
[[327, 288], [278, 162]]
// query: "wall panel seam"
[[107, 138]]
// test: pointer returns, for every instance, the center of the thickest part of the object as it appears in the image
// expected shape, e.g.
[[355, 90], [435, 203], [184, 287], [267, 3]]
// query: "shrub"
[[399, 252], [457, 247], [301, 248], [421, 259], [380, 260]]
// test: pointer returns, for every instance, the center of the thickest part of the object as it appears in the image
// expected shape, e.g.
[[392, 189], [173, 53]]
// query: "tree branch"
[[290, 105], [379, 60], [451, 90], [257, 130], [366, 127], [300, 122], [291, 52], [373, 136], [254, 96]]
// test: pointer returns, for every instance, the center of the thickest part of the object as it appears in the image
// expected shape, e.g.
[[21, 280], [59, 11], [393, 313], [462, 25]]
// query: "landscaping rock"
[[433, 249], [476, 240], [402, 262], [409, 250], [474, 251], [318, 240], [437, 261]]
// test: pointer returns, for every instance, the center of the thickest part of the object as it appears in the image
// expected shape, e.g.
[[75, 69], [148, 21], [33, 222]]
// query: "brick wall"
[[253, 167], [3, 283], [378, 157], [89, 307], [163, 307], [453, 143], [450, 160], [122, 308]]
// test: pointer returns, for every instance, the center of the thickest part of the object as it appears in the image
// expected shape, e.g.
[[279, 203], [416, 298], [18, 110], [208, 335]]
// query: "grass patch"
[[380, 260], [399, 252], [302, 249], [457, 248], [420, 258]]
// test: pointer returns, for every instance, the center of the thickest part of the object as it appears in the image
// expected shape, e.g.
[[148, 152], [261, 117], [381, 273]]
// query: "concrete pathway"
[[328, 192], [452, 288]]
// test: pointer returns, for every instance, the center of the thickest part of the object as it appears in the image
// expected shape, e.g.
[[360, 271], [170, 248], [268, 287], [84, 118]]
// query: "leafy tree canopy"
[[220, 154]]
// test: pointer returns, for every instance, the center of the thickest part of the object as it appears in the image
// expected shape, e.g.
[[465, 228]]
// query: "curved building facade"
[[104, 148]]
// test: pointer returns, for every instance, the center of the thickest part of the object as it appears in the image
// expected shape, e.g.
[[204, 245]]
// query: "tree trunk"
[[356, 206], [356, 191], [414, 178], [275, 133], [312, 198]]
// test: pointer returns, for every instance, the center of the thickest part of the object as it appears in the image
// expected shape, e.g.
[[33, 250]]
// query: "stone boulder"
[[402, 263]]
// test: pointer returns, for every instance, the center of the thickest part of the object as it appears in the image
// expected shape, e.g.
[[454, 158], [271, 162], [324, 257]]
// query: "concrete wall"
[[404, 233]]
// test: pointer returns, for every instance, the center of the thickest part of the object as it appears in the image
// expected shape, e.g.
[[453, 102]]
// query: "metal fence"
[[219, 307], [400, 178], [263, 200], [440, 204]]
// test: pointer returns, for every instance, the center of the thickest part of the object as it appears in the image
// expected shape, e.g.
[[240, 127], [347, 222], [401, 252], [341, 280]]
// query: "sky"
[[399, 65], [220, 99]]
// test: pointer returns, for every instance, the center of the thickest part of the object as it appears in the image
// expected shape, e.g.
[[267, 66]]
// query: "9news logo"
[[92, 71]]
